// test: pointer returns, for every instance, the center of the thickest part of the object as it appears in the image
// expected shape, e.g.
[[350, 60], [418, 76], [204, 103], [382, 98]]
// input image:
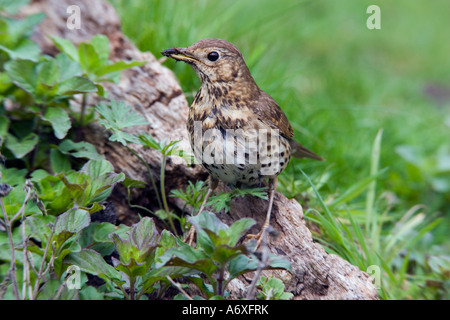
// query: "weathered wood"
[[154, 91]]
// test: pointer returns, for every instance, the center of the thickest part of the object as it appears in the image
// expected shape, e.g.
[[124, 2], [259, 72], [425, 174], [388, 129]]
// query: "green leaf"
[[67, 47], [75, 85], [101, 90], [276, 262], [12, 6], [97, 168], [5, 83], [26, 49], [273, 289], [97, 236], [48, 72], [220, 202], [103, 231], [76, 189], [223, 253], [89, 59], [90, 293], [144, 235], [240, 265], [93, 183], [167, 240], [146, 139], [19, 29], [53, 289], [22, 147], [94, 208], [68, 68], [138, 251], [208, 220], [72, 221], [92, 262], [40, 227], [204, 265], [13, 176], [59, 161], [23, 74], [4, 127], [208, 227], [123, 137], [238, 229], [118, 116], [80, 149], [130, 183], [100, 43], [59, 120]]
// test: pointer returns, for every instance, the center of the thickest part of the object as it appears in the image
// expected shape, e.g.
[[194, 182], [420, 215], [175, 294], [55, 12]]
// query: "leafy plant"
[[117, 117], [218, 256], [15, 42], [49, 80], [93, 58], [272, 289], [50, 185], [222, 201], [84, 189]]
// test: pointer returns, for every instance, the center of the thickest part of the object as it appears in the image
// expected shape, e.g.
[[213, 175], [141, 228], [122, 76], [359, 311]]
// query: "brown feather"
[[269, 112]]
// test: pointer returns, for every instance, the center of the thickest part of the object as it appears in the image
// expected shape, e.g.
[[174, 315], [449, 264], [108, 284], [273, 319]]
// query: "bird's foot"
[[259, 237], [189, 239]]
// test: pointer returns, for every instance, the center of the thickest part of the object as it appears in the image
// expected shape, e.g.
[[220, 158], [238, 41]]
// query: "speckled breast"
[[238, 155]]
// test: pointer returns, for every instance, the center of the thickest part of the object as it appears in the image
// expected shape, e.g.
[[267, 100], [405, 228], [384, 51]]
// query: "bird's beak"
[[179, 54]]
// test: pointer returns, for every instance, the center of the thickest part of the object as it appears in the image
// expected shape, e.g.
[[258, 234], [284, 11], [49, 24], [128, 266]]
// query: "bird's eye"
[[213, 56]]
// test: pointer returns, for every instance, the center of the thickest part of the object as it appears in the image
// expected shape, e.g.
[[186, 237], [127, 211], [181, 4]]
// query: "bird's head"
[[214, 60]]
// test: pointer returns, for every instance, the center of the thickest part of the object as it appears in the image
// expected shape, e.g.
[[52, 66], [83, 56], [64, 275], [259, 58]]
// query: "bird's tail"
[[299, 151]]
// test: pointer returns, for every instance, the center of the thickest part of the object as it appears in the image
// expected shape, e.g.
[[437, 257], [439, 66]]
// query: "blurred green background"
[[340, 83]]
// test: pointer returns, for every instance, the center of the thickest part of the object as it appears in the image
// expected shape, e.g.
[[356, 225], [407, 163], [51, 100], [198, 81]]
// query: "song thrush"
[[238, 132]]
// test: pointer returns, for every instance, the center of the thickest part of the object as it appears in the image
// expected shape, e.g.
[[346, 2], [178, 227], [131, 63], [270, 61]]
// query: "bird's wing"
[[270, 113]]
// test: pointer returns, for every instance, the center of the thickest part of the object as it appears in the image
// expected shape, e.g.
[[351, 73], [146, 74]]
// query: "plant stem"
[[83, 108], [163, 195], [179, 288], [12, 268], [137, 206], [220, 281], [125, 294], [132, 283], [40, 274], [150, 174], [251, 293], [37, 131], [26, 268]]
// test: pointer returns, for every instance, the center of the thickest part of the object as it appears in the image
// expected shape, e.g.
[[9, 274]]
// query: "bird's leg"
[[272, 187], [212, 186]]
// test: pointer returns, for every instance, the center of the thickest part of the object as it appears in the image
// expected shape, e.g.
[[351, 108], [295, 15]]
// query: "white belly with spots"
[[241, 157]]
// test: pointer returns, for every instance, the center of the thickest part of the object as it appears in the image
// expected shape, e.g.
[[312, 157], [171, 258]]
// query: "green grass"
[[340, 83]]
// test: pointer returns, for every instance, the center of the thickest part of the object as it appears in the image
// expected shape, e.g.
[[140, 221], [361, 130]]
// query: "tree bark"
[[153, 91]]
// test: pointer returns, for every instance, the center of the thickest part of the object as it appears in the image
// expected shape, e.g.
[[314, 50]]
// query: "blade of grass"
[[356, 189], [371, 217]]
